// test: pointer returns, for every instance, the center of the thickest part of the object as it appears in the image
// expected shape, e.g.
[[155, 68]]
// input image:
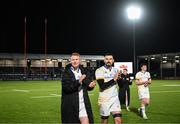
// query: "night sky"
[[90, 27]]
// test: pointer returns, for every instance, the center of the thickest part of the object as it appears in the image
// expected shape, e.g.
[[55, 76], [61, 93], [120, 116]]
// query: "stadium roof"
[[48, 56]]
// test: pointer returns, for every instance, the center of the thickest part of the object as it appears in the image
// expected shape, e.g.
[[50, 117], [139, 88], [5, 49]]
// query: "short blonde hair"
[[75, 54]]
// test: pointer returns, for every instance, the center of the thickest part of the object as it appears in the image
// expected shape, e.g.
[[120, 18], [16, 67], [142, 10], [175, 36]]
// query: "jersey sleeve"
[[99, 74], [137, 77], [149, 76]]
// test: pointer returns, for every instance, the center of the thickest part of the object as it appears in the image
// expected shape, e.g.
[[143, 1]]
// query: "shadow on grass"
[[135, 110]]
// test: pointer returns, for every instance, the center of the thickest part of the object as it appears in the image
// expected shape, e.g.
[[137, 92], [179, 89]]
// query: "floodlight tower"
[[134, 13]]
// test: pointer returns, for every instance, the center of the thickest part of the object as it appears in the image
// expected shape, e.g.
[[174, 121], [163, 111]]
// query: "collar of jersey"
[[77, 70], [108, 68], [143, 72]]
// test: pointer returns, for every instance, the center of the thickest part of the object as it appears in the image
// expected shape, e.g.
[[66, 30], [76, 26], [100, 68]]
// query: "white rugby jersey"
[[107, 75], [143, 76]]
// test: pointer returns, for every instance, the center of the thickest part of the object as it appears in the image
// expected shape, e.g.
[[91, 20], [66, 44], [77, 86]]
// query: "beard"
[[108, 64]]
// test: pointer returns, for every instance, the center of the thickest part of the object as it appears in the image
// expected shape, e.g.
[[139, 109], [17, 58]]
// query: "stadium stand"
[[37, 67], [162, 66]]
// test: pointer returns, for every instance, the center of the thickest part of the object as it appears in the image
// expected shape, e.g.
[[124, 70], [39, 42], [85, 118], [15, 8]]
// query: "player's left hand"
[[116, 76]]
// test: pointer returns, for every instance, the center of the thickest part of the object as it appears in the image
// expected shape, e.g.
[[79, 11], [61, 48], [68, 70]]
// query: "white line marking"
[[30, 90], [17, 90], [37, 97], [172, 85], [50, 95], [43, 89], [55, 94]]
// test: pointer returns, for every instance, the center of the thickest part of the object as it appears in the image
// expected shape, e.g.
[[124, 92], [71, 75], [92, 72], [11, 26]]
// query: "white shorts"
[[82, 112], [143, 93], [112, 105], [82, 108]]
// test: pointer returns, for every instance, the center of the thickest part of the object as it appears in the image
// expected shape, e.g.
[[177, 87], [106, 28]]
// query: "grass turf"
[[39, 102]]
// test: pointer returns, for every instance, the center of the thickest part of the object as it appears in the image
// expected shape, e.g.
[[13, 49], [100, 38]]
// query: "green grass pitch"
[[39, 102]]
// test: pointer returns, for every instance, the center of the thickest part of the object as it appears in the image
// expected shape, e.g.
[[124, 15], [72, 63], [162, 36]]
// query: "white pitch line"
[[36, 97], [172, 85], [17, 90], [55, 94], [164, 91], [43, 89], [50, 95]]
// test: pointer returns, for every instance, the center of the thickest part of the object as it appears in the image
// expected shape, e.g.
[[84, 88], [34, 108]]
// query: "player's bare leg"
[[147, 101], [117, 117], [84, 120], [142, 109], [104, 120]]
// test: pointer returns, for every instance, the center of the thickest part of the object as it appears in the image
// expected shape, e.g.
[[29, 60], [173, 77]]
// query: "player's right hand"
[[145, 83]]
